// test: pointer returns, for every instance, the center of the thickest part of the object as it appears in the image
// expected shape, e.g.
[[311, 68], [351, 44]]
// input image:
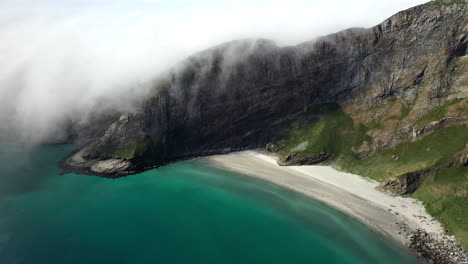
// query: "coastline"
[[398, 218]]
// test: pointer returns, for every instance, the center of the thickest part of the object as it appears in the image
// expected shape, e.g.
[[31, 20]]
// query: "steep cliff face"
[[244, 94]]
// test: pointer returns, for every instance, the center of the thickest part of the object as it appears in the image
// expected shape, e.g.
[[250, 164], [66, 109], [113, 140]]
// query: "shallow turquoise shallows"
[[182, 213]]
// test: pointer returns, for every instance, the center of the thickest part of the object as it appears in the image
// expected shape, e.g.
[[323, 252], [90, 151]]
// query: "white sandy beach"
[[395, 217]]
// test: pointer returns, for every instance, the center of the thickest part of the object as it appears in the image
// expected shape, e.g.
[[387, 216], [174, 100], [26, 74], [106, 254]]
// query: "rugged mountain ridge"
[[243, 94]]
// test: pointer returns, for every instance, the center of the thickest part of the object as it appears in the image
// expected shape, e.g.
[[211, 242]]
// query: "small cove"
[[185, 212]]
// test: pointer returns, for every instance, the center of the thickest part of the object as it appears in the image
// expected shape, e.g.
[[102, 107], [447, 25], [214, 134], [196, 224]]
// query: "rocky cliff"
[[389, 103], [244, 94]]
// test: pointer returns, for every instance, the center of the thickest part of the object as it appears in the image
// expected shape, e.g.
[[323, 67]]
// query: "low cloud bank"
[[68, 60]]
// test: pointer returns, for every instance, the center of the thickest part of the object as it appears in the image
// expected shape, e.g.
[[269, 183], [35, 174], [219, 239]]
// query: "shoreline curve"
[[394, 217]]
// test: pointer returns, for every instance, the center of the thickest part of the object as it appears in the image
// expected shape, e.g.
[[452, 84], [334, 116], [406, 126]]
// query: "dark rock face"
[[239, 95], [406, 183], [437, 125], [294, 159]]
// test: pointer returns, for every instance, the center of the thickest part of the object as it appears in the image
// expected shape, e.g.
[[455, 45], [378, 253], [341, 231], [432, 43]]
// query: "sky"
[[69, 59]]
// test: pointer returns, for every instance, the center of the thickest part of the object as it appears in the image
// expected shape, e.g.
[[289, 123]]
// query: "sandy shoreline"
[[395, 217]]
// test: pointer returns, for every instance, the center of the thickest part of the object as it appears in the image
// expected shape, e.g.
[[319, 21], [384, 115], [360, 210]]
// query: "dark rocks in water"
[[242, 94], [296, 159], [437, 249]]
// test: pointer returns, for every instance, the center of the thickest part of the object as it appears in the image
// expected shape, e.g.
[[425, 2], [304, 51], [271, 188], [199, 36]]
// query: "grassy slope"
[[333, 133], [134, 147], [440, 112], [445, 196], [128, 145], [336, 133], [434, 149]]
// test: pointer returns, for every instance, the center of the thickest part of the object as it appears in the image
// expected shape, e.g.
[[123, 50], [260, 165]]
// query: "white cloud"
[[59, 58]]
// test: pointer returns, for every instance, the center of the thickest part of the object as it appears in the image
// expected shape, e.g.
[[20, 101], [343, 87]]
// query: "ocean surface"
[[184, 213]]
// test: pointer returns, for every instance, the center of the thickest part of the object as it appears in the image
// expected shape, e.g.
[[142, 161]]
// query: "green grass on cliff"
[[445, 196], [130, 149], [432, 150], [333, 133], [404, 112]]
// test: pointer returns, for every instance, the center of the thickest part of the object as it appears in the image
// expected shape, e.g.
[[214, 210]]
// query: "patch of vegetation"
[[404, 112], [407, 109], [432, 150], [334, 133], [454, 72], [445, 196], [127, 150], [375, 124], [439, 112]]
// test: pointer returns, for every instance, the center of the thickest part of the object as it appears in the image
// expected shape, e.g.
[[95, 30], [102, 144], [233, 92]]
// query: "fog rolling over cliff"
[[245, 93], [137, 86], [65, 64]]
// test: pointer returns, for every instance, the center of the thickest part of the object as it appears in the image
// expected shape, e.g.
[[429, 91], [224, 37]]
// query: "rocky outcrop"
[[406, 183], [113, 167], [110, 166], [409, 182], [434, 125], [296, 159], [440, 249], [363, 150], [242, 94], [302, 146], [459, 159], [271, 147]]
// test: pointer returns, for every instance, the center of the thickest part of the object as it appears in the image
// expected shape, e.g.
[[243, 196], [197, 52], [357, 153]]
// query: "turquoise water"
[[181, 213]]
